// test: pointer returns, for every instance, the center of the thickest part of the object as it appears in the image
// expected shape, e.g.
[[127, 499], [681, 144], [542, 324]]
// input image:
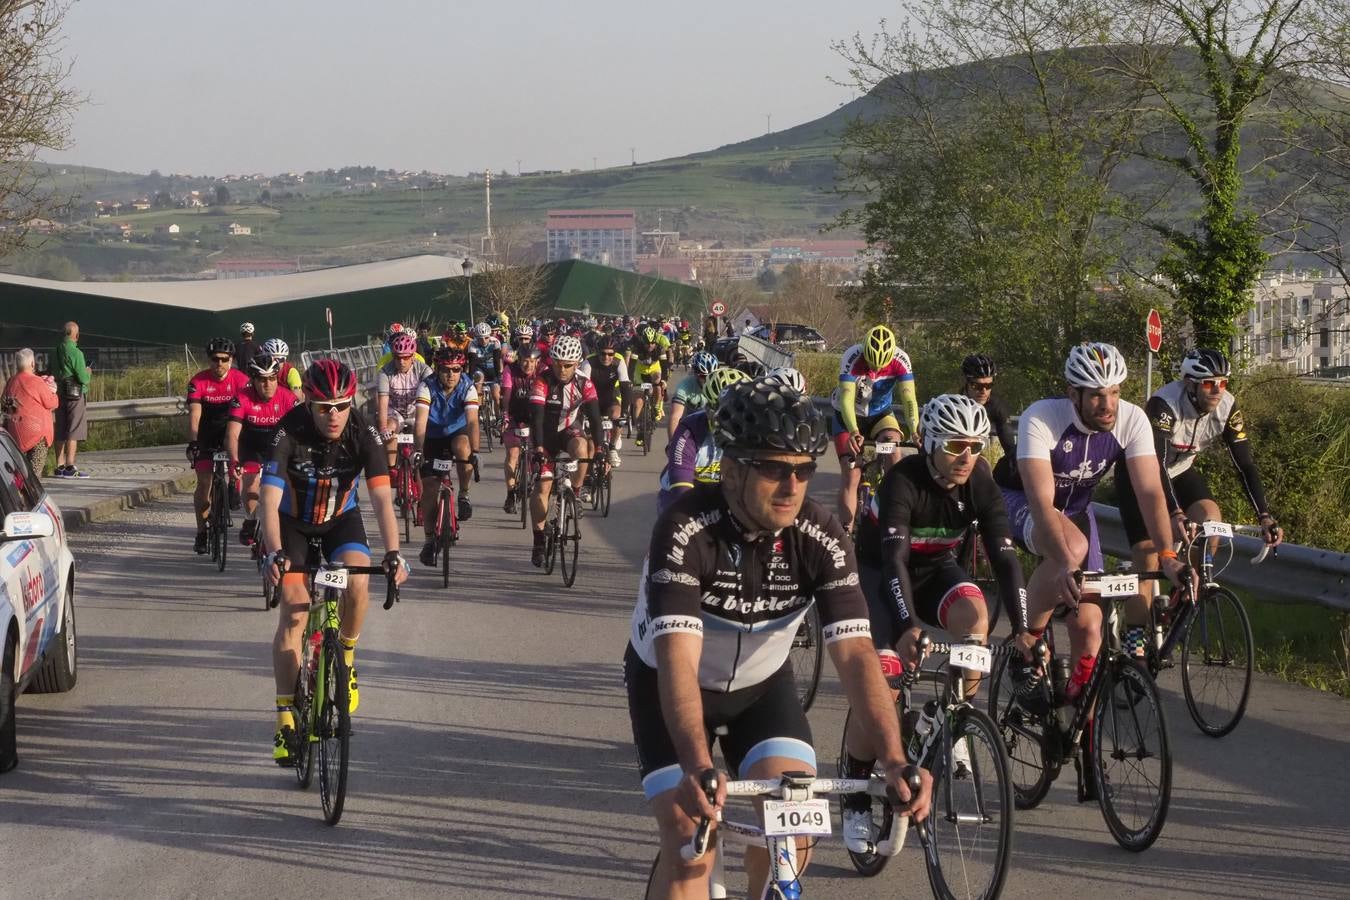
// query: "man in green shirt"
[[72, 383]]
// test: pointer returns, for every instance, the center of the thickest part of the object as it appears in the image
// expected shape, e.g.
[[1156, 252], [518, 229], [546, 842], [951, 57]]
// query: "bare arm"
[[232, 431]]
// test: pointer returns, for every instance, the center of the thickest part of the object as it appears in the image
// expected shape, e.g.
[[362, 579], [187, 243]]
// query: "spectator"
[[72, 383], [246, 349], [27, 403]]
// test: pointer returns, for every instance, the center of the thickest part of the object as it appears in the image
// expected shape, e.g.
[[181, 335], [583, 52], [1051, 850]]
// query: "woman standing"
[[27, 403]]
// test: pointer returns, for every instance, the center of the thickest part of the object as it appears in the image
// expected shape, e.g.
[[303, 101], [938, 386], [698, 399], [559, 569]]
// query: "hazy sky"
[[215, 87]]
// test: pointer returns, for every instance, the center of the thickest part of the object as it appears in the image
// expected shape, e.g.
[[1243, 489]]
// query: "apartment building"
[[1300, 321], [604, 236]]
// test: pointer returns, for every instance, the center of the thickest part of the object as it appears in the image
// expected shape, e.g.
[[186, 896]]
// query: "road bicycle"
[[323, 721], [407, 484], [970, 822], [488, 416], [600, 476], [646, 422], [873, 463], [524, 476], [562, 523], [973, 558], [808, 646], [218, 520], [795, 805], [1115, 733], [445, 533], [271, 596]]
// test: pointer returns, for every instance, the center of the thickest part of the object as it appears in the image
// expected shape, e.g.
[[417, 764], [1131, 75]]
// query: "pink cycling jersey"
[[260, 419]]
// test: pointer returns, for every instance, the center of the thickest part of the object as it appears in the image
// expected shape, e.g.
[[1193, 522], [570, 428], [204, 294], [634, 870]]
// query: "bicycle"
[[600, 477], [873, 464], [446, 531], [218, 521], [524, 475], [807, 649], [562, 524], [646, 422], [487, 415], [271, 597], [971, 818], [1117, 722], [407, 484], [973, 558], [795, 805], [322, 704]]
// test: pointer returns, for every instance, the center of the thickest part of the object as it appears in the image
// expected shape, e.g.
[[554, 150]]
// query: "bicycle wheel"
[[805, 656], [445, 532], [406, 500], [972, 814], [304, 721], [1131, 759], [883, 820], [569, 538], [551, 533], [1217, 657], [523, 488], [269, 590], [334, 730], [220, 517], [606, 492], [1031, 766]]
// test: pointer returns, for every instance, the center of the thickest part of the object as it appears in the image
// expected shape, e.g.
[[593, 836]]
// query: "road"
[[492, 753]]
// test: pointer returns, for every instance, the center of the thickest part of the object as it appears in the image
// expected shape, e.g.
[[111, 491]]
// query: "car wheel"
[[9, 750], [59, 665]]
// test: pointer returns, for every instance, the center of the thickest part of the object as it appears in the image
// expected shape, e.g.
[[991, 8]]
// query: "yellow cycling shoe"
[[353, 695], [282, 744]]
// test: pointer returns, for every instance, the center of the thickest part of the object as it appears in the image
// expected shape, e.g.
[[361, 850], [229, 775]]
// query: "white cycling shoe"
[[614, 459], [859, 832], [961, 757]]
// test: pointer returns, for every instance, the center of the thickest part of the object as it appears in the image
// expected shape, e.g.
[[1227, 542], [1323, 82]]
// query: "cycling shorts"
[[1190, 487], [210, 440], [937, 588], [1019, 518], [762, 720], [344, 534], [552, 445], [651, 371], [440, 448], [868, 426]]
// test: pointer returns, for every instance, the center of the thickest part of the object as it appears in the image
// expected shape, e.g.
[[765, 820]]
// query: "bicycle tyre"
[[1031, 770], [220, 515], [523, 488], [335, 730], [269, 591], [869, 864], [569, 539], [997, 786], [1124, 674], [445, 532], [1222, 610], [805, 656], [646, 427], [606, 491], [304, 724], [551, 534], [408, 505]]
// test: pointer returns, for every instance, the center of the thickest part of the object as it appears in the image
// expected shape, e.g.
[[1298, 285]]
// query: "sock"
[[538, 538], [1133, 640], [285, 717], [348, 648]]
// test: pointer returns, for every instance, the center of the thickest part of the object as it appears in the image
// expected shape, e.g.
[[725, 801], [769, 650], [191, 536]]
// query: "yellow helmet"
[[719, 380], [879, 347]]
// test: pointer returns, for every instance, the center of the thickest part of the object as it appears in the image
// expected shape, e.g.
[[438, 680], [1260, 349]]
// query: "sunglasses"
[[453, 370], [606, 352], [777, 469], [565, 365], [220, 359], [264, 378], [981, 385], [1214, 384], [958, 447], [325, 408]]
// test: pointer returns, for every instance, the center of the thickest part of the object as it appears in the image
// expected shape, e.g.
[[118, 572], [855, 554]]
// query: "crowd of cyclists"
[[738, 551]]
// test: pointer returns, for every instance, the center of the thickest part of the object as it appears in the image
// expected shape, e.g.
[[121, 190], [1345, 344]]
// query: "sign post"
[[1153, 333], [718, 308], [328, 317]]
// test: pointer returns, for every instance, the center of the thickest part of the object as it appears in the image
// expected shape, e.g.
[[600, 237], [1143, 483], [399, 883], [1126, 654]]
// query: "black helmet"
[[1204, 363], [765, 415], [327, 380], [978, 365], [219, 345]]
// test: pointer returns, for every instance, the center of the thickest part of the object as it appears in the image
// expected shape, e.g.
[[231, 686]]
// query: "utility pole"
[[595, 163], [517, 167], [633, 151], [768, 123], [487, 196]]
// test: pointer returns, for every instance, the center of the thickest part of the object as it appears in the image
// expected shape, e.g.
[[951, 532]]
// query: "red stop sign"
[[1153, 331]]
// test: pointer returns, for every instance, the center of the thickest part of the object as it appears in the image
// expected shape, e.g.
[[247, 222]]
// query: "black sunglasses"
[[777, 469]]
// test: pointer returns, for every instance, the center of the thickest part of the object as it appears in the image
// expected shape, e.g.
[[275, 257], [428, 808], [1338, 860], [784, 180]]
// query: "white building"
[[1300, 322]]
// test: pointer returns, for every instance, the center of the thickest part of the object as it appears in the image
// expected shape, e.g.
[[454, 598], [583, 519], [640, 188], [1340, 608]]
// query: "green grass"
[[165, 380], [1301, 643]]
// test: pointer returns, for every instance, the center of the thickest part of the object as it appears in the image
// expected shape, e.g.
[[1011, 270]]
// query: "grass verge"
[[1301, 643]]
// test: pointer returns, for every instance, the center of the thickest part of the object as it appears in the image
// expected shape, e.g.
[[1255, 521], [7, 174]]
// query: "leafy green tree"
[[222, 195]]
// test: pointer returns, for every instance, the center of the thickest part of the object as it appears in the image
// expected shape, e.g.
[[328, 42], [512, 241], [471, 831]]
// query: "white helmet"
[[949, 416], [276, 347], [483, 330], [1094, 365], [246, 328], [566, 349], [789, 377]]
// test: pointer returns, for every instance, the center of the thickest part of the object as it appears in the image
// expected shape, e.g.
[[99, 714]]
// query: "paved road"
[[492, 754]]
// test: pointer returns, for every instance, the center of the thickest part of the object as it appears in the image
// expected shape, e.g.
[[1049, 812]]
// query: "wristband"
[[1167, 554]]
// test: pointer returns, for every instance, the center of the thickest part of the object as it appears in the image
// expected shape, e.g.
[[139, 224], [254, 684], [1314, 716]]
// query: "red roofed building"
[[605, 236]]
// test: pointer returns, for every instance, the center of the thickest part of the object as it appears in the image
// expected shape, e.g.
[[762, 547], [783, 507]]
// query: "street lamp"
[[467, 266]]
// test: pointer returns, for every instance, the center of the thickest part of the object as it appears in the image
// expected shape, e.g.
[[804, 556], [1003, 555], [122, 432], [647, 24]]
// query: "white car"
[[37, 599]]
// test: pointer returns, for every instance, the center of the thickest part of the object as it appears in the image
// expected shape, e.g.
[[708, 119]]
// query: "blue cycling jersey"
[[448, 408]]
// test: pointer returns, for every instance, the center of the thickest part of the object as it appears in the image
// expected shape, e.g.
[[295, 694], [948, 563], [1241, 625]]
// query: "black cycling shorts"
[[439, 448], [1189, 487], [762, 720], [935, 587], [346, 532]]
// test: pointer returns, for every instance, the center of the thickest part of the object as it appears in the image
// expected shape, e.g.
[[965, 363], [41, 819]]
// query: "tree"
[[222, 195], [36, 106], [512, 281], [810, 295]]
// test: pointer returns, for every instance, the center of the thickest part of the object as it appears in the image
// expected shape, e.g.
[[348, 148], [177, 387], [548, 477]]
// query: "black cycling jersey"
[[744, 595], [921, 525], [318, 477], [1003, 430]]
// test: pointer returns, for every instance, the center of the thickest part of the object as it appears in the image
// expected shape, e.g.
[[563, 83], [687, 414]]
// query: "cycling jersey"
[[215, 396], [558, 406], [997, 412], [689, 392], [865, 392], [745, 595], [607, 378], [485, 356], [401, 387], [649, 354], [692, 457], [516, 389], [319, 478], [447, 408], [1181, 432], [260, 419], [290, 376], [460, 344]]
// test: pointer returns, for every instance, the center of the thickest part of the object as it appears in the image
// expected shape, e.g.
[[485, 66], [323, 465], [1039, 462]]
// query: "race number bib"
[[331, 578], [796, 817], [972, 657], [1217, 529], [441, 465]]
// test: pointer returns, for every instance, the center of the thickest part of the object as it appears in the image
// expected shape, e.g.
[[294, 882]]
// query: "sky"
[[235, 86]]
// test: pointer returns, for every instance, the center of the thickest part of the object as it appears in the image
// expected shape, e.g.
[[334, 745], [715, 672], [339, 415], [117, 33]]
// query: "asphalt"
[[492, 754]]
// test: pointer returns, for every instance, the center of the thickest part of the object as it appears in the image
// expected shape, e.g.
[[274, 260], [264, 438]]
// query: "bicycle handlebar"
[[391, 594]]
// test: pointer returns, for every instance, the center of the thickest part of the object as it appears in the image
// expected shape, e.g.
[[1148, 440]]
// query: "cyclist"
[[288, 375], [692, 455], [457, 338], [396, 391], [979, 371], [609, 373], [310, 489], [648, 350], [485, 362], [425, 342], [688, 393], [255, 414], [210, 394], [517, 385], [711, 633], [560, 397], [544, 336], [247, 348], [1188, 416], [869, 374], [1065, 445], [521, 338], [446, 428]]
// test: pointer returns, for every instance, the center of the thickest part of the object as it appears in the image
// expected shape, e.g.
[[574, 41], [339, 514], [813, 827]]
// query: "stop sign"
[[1153, 331]]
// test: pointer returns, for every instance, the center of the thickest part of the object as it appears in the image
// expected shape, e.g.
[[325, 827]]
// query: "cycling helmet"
[[978, 365], [246, 329], [458, 329], [764, 415], [752, 367], [608, 343], [549, 328], [327, 380], [789, 377], [525, 332], [566, 349], [879, 347], [275, 347], [494, 320], [403, 345], [264, 364], [1094, 365], [219, 345], [718, 381], [703, 363], [1204, 363], [449, 356], [396, 328], [648, 335], [949, 416], [484, 330], [530, 352]]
